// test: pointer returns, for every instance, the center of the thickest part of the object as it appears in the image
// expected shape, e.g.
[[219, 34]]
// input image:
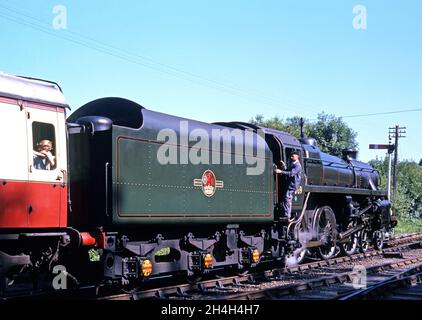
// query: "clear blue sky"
[[230, 60]]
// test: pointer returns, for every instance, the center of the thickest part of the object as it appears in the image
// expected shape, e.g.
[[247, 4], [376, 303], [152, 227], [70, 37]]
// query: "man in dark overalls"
[[293, 174]]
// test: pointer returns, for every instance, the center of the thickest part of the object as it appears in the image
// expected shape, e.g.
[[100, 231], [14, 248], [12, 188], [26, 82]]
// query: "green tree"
[[409, 174], [290, 125], [331, 132], [408, 200]]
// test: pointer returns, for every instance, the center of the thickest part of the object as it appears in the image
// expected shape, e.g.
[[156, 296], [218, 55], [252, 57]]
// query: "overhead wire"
[[375, 113], [143, 60]]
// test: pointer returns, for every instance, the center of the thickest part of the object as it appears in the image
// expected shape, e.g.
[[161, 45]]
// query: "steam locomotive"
[[136, 194]]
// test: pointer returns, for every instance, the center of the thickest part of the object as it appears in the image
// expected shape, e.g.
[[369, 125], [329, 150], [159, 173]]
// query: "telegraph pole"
[[389, 175], [396, 133]]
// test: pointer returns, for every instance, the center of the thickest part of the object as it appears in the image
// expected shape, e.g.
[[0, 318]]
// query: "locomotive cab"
[[281, 145]]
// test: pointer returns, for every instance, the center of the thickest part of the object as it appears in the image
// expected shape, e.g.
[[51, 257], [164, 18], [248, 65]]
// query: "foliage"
[[332, 133], [94, 255], [407, 203], [406, 226]]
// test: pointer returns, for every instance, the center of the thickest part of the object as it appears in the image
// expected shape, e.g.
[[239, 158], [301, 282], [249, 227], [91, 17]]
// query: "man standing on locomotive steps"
[[293, 174]]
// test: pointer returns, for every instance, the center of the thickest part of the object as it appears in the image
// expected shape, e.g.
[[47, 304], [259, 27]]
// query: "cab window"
[[289, 151]]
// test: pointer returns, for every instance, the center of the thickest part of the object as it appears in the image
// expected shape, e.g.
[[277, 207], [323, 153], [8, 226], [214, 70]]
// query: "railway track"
[[327, 279], [316, 279], [405, 285]]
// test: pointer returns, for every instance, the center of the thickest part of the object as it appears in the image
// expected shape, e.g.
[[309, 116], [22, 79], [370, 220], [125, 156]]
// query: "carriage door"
[[45, 178], [13, 166]]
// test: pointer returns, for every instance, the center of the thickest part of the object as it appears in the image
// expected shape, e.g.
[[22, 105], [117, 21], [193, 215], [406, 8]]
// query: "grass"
[[406, 226]]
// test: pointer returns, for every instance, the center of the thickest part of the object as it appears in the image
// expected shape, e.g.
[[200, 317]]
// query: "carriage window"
[[44, 143]]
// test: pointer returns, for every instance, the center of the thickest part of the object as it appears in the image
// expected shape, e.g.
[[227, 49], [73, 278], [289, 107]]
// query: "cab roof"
[[30, 89]]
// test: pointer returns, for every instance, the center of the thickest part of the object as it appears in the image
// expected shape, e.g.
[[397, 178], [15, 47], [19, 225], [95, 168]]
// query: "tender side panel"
[[145, 191]]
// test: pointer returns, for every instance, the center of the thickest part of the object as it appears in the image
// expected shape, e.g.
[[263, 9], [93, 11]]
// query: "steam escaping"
[[295, 258]]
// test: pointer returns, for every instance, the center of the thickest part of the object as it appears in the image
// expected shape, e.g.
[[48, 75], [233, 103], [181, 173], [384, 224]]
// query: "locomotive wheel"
[[352, 245], [363, 241], [378, 240], [301, 256], [326, 231]]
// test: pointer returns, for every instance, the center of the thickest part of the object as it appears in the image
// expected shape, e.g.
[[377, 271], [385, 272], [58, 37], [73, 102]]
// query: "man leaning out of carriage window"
[[43, 158]]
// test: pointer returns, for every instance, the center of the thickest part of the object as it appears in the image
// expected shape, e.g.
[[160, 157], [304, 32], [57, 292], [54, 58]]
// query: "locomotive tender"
[[110, 210]]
